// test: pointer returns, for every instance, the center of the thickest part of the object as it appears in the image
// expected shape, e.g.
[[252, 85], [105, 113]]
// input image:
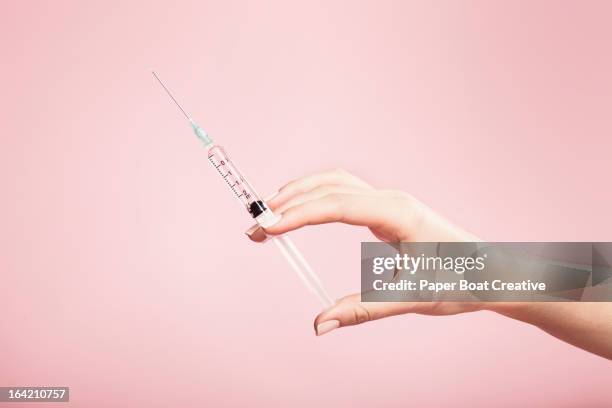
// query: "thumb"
[[350, 311]]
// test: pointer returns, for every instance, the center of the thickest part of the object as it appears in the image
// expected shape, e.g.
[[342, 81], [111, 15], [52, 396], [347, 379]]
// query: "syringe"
[[256, 207]]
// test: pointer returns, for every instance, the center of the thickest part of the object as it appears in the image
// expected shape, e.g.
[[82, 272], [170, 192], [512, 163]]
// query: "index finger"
[[371, 210], [305, 184]]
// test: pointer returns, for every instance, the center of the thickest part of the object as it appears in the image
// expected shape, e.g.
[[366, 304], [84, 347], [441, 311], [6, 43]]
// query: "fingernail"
[[327, 326], [256, 234]]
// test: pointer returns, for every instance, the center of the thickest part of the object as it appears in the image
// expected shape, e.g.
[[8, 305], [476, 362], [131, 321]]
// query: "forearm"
[[586, 325]]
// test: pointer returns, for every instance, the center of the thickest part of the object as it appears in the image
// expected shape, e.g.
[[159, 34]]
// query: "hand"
[[395, 216], [392, 216], [338, 196]]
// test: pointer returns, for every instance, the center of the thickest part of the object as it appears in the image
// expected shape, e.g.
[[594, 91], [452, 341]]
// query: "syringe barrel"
[[241, 188], [265, 218]]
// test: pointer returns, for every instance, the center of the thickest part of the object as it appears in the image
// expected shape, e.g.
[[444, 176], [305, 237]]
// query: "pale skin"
[[395, 216]]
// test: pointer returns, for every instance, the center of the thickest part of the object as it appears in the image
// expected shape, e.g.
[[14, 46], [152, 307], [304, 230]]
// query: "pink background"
[[125, 274]]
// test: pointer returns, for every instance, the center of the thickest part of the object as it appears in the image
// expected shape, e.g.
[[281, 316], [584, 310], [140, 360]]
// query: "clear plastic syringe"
[[256, 207]]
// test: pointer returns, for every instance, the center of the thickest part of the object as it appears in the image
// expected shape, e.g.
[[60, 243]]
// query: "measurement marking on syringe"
[[238, 181], [225, 177]]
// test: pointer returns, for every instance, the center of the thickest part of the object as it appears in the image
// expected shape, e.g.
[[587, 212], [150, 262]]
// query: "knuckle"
[[324, 190], [336, 199], [337, 204]]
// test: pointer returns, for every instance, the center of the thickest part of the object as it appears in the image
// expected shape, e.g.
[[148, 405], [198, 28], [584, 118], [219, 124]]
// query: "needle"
[[169, 94], [201, 133]]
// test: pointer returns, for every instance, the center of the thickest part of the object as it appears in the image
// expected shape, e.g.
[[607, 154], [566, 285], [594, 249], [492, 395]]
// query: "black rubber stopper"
[[256, 208]]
